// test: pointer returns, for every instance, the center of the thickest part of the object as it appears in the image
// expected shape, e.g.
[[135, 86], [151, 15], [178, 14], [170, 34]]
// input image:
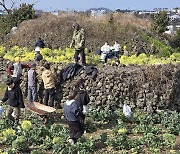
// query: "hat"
[[17, 59], [125, 47], [37, 49], [33, 65]]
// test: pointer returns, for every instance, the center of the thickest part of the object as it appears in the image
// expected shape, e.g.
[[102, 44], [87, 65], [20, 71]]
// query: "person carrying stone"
[[82, 99], [78, 42], [49, 79], [72, 113], [32, 84], [15, 101]]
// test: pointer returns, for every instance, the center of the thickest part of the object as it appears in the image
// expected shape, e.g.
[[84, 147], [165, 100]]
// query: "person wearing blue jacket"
[[72, 113], [40, 43]]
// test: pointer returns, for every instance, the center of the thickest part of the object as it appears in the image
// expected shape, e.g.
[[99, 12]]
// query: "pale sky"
[[81, 5]]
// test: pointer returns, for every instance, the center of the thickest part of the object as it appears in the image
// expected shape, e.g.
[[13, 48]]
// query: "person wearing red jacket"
[[15, 70]]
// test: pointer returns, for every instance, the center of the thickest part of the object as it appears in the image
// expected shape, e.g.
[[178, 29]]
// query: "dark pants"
[[49, 94], [116, 54], [16, 111], [76, 130], [81, 52], [82, 119]]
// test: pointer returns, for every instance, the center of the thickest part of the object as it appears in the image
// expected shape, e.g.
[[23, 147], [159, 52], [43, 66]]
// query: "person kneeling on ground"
[[72, 113], [13, 94]]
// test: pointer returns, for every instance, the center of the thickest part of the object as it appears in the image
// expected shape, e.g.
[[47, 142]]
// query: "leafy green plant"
[[171, 121], [20, 144], [7, 136], [37, 151], [152, 140], [120, 142], [169, 140]]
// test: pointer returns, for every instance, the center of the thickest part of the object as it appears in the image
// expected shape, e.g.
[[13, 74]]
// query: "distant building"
[[98, 11], [171, 29], [38, 12], [174, 17], [161, 9], [176, 10], [2, 12]]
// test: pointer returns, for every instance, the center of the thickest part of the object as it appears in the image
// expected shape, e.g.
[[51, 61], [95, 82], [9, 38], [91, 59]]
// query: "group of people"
[[74, 109], [108, 52]]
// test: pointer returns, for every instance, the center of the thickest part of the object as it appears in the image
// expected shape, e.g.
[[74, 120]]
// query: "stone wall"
[[146, 87]]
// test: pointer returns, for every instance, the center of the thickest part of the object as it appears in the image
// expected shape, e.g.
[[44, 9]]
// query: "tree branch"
[[8, 10]]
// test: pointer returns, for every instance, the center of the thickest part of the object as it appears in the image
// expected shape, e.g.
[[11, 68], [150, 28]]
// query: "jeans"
[[116, 54], [77, 52], [32, 94], [49, 94], [76, 130], [17, 112]]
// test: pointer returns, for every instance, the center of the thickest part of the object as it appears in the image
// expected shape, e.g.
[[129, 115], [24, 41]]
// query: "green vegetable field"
[[106, 132]]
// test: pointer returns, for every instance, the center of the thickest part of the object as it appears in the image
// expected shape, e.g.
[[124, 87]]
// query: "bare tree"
[[8, 10]]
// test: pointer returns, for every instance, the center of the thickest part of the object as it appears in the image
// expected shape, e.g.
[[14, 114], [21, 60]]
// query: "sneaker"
[[71, 141]]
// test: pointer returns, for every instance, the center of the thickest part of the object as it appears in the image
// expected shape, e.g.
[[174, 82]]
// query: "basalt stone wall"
[[146, 87]]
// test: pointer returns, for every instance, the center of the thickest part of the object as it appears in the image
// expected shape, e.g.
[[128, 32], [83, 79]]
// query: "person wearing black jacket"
[[15, 101], [38, 56], [40, 43], [82, 98], [72, 113]]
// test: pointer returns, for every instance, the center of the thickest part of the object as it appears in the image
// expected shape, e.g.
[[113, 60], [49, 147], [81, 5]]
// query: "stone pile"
[[145, 87]]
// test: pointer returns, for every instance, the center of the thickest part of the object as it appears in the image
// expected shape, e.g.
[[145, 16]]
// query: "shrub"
[[160, 22]]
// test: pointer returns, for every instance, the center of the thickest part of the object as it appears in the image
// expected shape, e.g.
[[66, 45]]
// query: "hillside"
[[56, 31]]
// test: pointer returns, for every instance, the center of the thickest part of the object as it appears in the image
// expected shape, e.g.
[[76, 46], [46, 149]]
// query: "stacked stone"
[[145, 87]]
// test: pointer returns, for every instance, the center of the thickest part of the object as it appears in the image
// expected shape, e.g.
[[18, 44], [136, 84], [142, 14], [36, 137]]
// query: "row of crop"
[[67, 56], [153, 132]]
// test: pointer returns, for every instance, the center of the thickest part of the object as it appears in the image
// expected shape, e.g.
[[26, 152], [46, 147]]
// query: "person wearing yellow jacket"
[[78, 42], [49, 79]]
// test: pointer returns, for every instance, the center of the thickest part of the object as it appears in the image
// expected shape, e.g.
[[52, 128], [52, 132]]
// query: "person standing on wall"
[[78, 42]]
